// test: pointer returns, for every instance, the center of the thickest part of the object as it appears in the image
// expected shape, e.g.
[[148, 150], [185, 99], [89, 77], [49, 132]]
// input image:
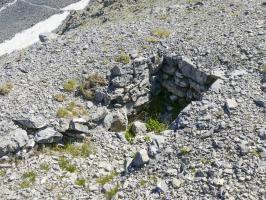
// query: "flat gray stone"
[[48, 136]]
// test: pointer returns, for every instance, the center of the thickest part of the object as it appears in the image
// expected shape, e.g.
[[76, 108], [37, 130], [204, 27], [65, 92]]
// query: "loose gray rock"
[[48, 136], [116, 121], [141, 158], [44, 37], [138, 128], [32, 123]]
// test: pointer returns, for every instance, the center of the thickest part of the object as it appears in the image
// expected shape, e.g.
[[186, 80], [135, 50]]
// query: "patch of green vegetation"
[[70, 86], [143, 182], [59, 97], [111, 193], [154, 125], [161, 32], [6, 88], [163, 17], [80, 182], [185, 150], [147, 138], [264, 69], [66, 165], [130, 135], [256, 153], [88, 86], [71, 110], [45, 167], [123, 58], [2, 173], [83, 150], [107, 178], [152, 40], [29, 179]]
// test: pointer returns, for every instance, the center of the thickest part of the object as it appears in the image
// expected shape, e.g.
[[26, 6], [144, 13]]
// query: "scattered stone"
[[116, 121], [32, 123], [78, 127], [259, 103], [44, 37], [231, 104], [141, 158], [138, 128], [48, 136], [176, 183]]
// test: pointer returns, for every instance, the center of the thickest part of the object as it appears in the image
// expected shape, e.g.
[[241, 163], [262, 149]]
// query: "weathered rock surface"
[[47, 136], [179, 47]]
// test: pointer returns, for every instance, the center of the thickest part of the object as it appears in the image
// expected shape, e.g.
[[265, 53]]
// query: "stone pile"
[[135, 84]]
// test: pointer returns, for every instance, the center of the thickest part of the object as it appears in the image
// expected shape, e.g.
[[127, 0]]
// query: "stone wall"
[[134, 85]]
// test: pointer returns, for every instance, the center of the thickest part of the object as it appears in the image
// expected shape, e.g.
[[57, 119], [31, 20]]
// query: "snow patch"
[[30, 36]]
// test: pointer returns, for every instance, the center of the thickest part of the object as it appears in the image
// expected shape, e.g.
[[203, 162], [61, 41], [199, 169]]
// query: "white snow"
[[80, 5], [30, 36]]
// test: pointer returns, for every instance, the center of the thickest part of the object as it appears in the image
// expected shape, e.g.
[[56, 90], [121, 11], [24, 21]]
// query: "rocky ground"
[[209, 53]]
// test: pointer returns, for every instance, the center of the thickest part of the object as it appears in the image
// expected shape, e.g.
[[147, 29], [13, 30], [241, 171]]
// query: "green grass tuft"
[[123, 58], [161, 32], [71, 110], [80, 182], [154, 125], [2, 173], [107, 178], [45, 167], [70, 86], [59, 97], [185, 150], [83, 150], [130, 135], [111, 193], [152, 40], [29, 179], [88, 86], [6, 88], [66, 165]]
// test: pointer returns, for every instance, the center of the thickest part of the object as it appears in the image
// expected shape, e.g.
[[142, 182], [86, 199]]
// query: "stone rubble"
[[213, 58]]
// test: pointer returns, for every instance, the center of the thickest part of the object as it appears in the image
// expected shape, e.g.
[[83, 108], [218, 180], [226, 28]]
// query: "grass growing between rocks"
[[152, 40], [185, 150], [154, 125], [264, 69], [66, 165], [107, 178], [29, 179], [45, 167], [130, 135], [80, 182], [70, 86], [59, 97], [81, 150], [88, 86], [161, 32], [2, 173], [111, 193], [71, 110], [122, 58], [6, 88]]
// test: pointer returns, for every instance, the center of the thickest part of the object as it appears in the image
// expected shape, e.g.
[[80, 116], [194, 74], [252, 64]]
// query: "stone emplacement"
[[170, 80]]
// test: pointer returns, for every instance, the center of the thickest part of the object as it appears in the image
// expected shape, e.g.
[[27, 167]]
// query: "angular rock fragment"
[[116, 121], [31, 123], [230, 104], [14, 141], [138, 128], [141, 158], [78, 127], [44, 37], [48, 136]]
